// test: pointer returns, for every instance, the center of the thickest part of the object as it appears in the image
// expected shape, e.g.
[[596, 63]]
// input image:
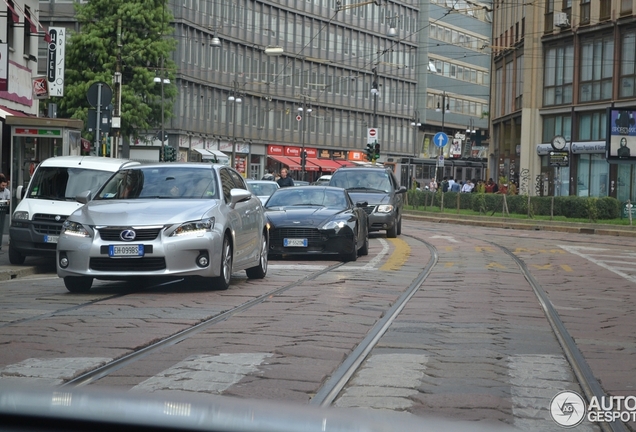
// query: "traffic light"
[[169, 154], [303, 158], [370, 152], [376, 153]]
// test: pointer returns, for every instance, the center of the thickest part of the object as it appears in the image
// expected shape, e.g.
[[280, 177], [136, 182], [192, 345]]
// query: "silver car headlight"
[[75, 229], [21, 215], [194, 228], [335, 225], [385, 208]]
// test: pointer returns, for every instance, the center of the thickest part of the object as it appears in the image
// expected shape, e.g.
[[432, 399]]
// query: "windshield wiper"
[[365, 188]]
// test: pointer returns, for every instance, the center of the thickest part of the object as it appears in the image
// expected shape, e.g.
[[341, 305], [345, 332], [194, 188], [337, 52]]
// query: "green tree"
[[93, 52]]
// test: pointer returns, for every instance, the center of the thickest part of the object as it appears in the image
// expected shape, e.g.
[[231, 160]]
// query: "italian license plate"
[[295, 242], [51, 239], [126, 250]]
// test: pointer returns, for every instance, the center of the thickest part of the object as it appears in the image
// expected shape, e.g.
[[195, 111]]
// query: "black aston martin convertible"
[[317, 220]]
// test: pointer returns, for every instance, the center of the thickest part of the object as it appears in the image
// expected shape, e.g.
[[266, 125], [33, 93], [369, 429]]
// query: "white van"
[[50, 198]]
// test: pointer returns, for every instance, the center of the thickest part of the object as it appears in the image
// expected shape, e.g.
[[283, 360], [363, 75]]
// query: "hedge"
[[569, 206]]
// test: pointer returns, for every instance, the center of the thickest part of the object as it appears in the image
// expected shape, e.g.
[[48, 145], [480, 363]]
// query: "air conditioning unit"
[[561, 19]]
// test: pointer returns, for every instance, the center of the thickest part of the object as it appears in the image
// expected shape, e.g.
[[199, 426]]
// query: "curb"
[[575, 228]]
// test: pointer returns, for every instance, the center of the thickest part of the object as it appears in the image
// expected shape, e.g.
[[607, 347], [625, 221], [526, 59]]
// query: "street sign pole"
[[440, 140]]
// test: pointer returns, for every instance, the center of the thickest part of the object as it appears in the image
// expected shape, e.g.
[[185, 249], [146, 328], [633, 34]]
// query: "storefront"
[[587, 172], [34, 139]]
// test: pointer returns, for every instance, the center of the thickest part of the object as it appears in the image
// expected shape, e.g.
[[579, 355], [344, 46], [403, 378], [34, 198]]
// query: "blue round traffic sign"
[[440, 139]]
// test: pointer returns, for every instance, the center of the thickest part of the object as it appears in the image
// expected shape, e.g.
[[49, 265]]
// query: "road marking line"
[[495, 265], [449, 264], [296, 267], [574, 250], [566, 267], [205, 373], [398, 257]]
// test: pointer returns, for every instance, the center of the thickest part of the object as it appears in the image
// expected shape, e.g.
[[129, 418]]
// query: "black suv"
[[380, 189]]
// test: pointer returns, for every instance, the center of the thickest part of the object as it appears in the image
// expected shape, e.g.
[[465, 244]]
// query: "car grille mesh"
[[127, 264], [369, 209], [276, 236], [46, 224], [113, 234]]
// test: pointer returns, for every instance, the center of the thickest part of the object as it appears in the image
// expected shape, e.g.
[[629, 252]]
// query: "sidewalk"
[[32, 265], [523, 224]]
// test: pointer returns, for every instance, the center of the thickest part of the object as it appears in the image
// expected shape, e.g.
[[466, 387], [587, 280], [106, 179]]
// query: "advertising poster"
[[621, 142]]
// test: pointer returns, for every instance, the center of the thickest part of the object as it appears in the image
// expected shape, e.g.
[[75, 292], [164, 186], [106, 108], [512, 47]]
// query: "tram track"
[[107, 369], [341, 376]]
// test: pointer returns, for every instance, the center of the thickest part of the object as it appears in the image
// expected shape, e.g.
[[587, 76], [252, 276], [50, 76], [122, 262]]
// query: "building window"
[[606, 10], [626, 7], [596, 69], [549, 16], [585, 11], [592, 126], [558, 75], [557, 125], [628, 65]]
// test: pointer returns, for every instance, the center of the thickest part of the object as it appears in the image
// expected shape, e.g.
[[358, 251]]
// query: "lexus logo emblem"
[[58, 218], [128, 235]]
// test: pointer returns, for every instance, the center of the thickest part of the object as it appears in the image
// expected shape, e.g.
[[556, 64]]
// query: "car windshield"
[[161, 182], [377, 180], [262, 189], [314, 197], [60, 183]]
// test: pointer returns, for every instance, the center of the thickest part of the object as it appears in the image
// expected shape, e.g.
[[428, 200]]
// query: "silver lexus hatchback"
[[172, 221]]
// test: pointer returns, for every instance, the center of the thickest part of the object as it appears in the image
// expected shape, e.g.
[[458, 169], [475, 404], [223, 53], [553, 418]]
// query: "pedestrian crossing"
[[622, 263], [386, 381]]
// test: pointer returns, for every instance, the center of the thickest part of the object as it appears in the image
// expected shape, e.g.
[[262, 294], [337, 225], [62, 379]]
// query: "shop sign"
[[559, 159]]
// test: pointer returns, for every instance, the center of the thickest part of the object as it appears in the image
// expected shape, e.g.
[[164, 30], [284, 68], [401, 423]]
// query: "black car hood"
[[373, 198], [301, 216]]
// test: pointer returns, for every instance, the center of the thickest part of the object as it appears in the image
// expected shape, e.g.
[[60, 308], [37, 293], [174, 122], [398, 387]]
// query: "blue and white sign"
[[440, 139]]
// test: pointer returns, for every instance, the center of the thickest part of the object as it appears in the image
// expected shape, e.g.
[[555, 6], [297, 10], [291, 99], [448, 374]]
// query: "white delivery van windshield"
[[63, 184]]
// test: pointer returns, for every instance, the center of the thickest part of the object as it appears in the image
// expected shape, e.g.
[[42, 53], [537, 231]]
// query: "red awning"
[[4, 112], [308, 165], [14, 15], [286, 161], [325, 164], [345, 163]]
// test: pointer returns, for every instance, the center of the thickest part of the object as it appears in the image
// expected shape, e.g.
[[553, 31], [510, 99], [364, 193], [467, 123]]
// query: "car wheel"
[[78, 284], [399, 225], [364, 250], [260, 270], [353, 255], [392, 232], [15, 257], [222, 282]]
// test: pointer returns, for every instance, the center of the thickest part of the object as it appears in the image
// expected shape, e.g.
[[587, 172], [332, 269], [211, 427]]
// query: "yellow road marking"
[[566, 267], [449, 264], [483, 248], [542, 267], [449, 248], [495, 265], [554, 251], [399, 255], [519, 250]]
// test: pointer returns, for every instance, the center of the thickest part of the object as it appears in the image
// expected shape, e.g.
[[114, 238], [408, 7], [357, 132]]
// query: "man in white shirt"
[[468, 187]]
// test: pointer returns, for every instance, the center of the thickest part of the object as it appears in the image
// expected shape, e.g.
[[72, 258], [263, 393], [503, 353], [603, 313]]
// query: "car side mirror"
[[239, 195], [83, 197], [20, 191], [401, 190], [362, 204]]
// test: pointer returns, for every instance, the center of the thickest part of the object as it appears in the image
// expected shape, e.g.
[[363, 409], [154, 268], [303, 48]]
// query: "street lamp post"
[[235, 98], [415, 123], [304, 109], [375, 91], [162, 80]]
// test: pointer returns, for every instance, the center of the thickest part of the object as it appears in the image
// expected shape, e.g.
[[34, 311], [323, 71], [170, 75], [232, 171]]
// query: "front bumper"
[[35, 237], [319, 242], [381, 221], [163, 257]]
